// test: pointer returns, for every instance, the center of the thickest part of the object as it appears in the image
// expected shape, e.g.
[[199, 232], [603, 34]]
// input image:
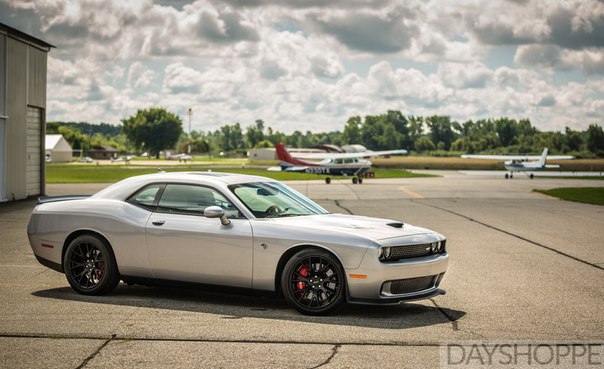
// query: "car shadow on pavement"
[[229, 306]]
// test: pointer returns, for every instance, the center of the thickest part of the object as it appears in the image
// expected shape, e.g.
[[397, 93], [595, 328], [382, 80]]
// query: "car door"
[[184, 245]]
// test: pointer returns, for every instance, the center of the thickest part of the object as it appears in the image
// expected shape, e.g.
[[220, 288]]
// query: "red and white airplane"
[[336, 164]]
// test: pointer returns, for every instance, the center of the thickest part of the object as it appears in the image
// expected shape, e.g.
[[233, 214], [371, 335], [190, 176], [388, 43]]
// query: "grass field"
[[77, 173], [588, 195]]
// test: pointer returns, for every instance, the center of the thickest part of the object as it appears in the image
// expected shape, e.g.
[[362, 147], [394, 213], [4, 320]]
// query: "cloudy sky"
[[310, 64]]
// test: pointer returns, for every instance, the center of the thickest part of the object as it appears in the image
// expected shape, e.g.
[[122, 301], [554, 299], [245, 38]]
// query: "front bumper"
[[375, 287]]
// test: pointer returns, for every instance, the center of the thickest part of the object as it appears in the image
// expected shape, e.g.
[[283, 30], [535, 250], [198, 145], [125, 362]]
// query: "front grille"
[[413, 251], [410, 251], [412, 285]]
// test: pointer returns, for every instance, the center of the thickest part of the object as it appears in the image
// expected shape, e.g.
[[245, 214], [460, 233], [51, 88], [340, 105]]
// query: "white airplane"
[[523, 163], [180, 157], [337, 164]]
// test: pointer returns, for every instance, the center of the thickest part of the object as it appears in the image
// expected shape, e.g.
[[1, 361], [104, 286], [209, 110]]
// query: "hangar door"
[[34, 152], [2, 155]]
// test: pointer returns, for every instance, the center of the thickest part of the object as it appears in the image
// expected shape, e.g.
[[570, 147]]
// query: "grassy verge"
[[587, 195], [74, 173]]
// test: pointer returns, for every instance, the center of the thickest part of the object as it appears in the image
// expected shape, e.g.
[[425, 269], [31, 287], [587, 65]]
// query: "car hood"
[[372, 228]]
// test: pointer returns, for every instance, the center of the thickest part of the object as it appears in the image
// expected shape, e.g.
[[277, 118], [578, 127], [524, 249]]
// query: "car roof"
[[128, 186]]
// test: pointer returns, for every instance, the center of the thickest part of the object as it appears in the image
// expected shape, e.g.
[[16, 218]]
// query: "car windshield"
[[273, 200]]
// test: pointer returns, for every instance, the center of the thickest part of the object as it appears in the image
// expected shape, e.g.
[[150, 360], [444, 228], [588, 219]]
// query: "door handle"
[[158, 222]]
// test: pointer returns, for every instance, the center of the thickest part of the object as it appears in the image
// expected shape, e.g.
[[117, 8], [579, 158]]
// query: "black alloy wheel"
[[90, 267], [313, 282]]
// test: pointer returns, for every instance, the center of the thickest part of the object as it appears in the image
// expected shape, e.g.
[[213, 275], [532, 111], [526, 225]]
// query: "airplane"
[[337, 164], [179, 157], [523, 163]]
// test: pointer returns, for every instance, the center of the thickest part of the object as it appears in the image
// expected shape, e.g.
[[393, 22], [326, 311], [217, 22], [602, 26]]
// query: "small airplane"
[[179, 157], [337, 164], [523, 163]]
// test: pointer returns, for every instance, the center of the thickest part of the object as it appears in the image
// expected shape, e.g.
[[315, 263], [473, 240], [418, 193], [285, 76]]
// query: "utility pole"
[[189, 148]]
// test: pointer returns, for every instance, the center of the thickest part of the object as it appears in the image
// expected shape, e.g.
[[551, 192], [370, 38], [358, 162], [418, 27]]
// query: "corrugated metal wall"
[[36, 80], [34, 158], [26, 85], [16, 96]]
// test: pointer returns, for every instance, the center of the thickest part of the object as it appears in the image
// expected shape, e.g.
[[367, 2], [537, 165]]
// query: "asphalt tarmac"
[[524, 267]]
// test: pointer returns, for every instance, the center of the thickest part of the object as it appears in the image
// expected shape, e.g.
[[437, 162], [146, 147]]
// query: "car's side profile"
[[234, 231]]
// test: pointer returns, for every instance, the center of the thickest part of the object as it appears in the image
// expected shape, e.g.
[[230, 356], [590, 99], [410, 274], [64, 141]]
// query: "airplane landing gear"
[[510, 176], [531, 176], [328, 180], [354, 180]]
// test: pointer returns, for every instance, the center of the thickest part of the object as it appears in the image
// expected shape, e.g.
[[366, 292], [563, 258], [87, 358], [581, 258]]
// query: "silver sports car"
[[234, 232]]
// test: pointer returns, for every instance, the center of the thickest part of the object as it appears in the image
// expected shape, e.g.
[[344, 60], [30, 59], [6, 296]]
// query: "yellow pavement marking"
[[413, 194]]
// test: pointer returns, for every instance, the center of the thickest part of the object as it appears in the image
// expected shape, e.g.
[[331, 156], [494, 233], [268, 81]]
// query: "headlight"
[[385, 253], [440, 246], [434, 246]]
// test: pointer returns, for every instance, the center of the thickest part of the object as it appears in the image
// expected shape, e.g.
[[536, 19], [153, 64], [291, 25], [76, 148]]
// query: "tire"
[[302, 289], [90, 267], [354, 180], [328, 180], [360, 180]]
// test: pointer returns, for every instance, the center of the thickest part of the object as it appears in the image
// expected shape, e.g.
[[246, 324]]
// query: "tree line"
[[153, 130]]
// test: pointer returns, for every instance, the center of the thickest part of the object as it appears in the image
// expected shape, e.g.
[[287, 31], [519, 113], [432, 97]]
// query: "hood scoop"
[[395, 225]]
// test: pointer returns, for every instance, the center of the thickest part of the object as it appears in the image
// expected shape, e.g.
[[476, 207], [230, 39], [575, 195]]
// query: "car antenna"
[[159, 170]]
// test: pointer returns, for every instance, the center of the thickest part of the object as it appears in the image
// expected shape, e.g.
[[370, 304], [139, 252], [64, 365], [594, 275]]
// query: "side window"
[[190, 199], [146, 197]]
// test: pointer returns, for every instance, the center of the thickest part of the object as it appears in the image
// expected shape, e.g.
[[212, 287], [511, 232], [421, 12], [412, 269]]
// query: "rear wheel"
[[90, 266], [313, 282], [328, 180]]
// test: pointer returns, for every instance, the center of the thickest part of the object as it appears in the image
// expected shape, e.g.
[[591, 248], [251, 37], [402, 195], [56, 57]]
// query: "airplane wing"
[[346, 155], [502, 157], [287, 169], [516, 157], [560, 157]]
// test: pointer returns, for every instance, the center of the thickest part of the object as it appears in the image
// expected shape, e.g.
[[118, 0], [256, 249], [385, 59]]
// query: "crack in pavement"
[[334, 351], [96, 352], [513, 235], [454, 323], [342, 207], [114, 337]]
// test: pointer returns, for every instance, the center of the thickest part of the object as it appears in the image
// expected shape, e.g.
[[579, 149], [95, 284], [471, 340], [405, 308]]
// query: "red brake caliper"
[[303, 272]]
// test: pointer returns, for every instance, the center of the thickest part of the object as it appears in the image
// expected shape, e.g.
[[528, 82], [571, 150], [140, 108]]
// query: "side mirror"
[[216, 212]]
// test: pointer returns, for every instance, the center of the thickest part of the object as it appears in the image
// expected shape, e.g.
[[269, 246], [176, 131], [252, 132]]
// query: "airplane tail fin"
[[284, 157], [543, 157]]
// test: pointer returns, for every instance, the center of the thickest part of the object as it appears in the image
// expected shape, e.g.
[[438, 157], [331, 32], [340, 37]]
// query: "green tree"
[[424, 144], [573, 139], [254, 133], [153, 130], [506, 130], [441, 130], [595, 139], [352, 131], [231, 137]]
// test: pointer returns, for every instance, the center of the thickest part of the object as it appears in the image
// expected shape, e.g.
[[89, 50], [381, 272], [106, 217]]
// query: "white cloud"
[[310, 65]]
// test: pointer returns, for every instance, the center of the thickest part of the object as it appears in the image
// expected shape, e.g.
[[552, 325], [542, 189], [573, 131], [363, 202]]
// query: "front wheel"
[[313, 282], [90, 266]]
